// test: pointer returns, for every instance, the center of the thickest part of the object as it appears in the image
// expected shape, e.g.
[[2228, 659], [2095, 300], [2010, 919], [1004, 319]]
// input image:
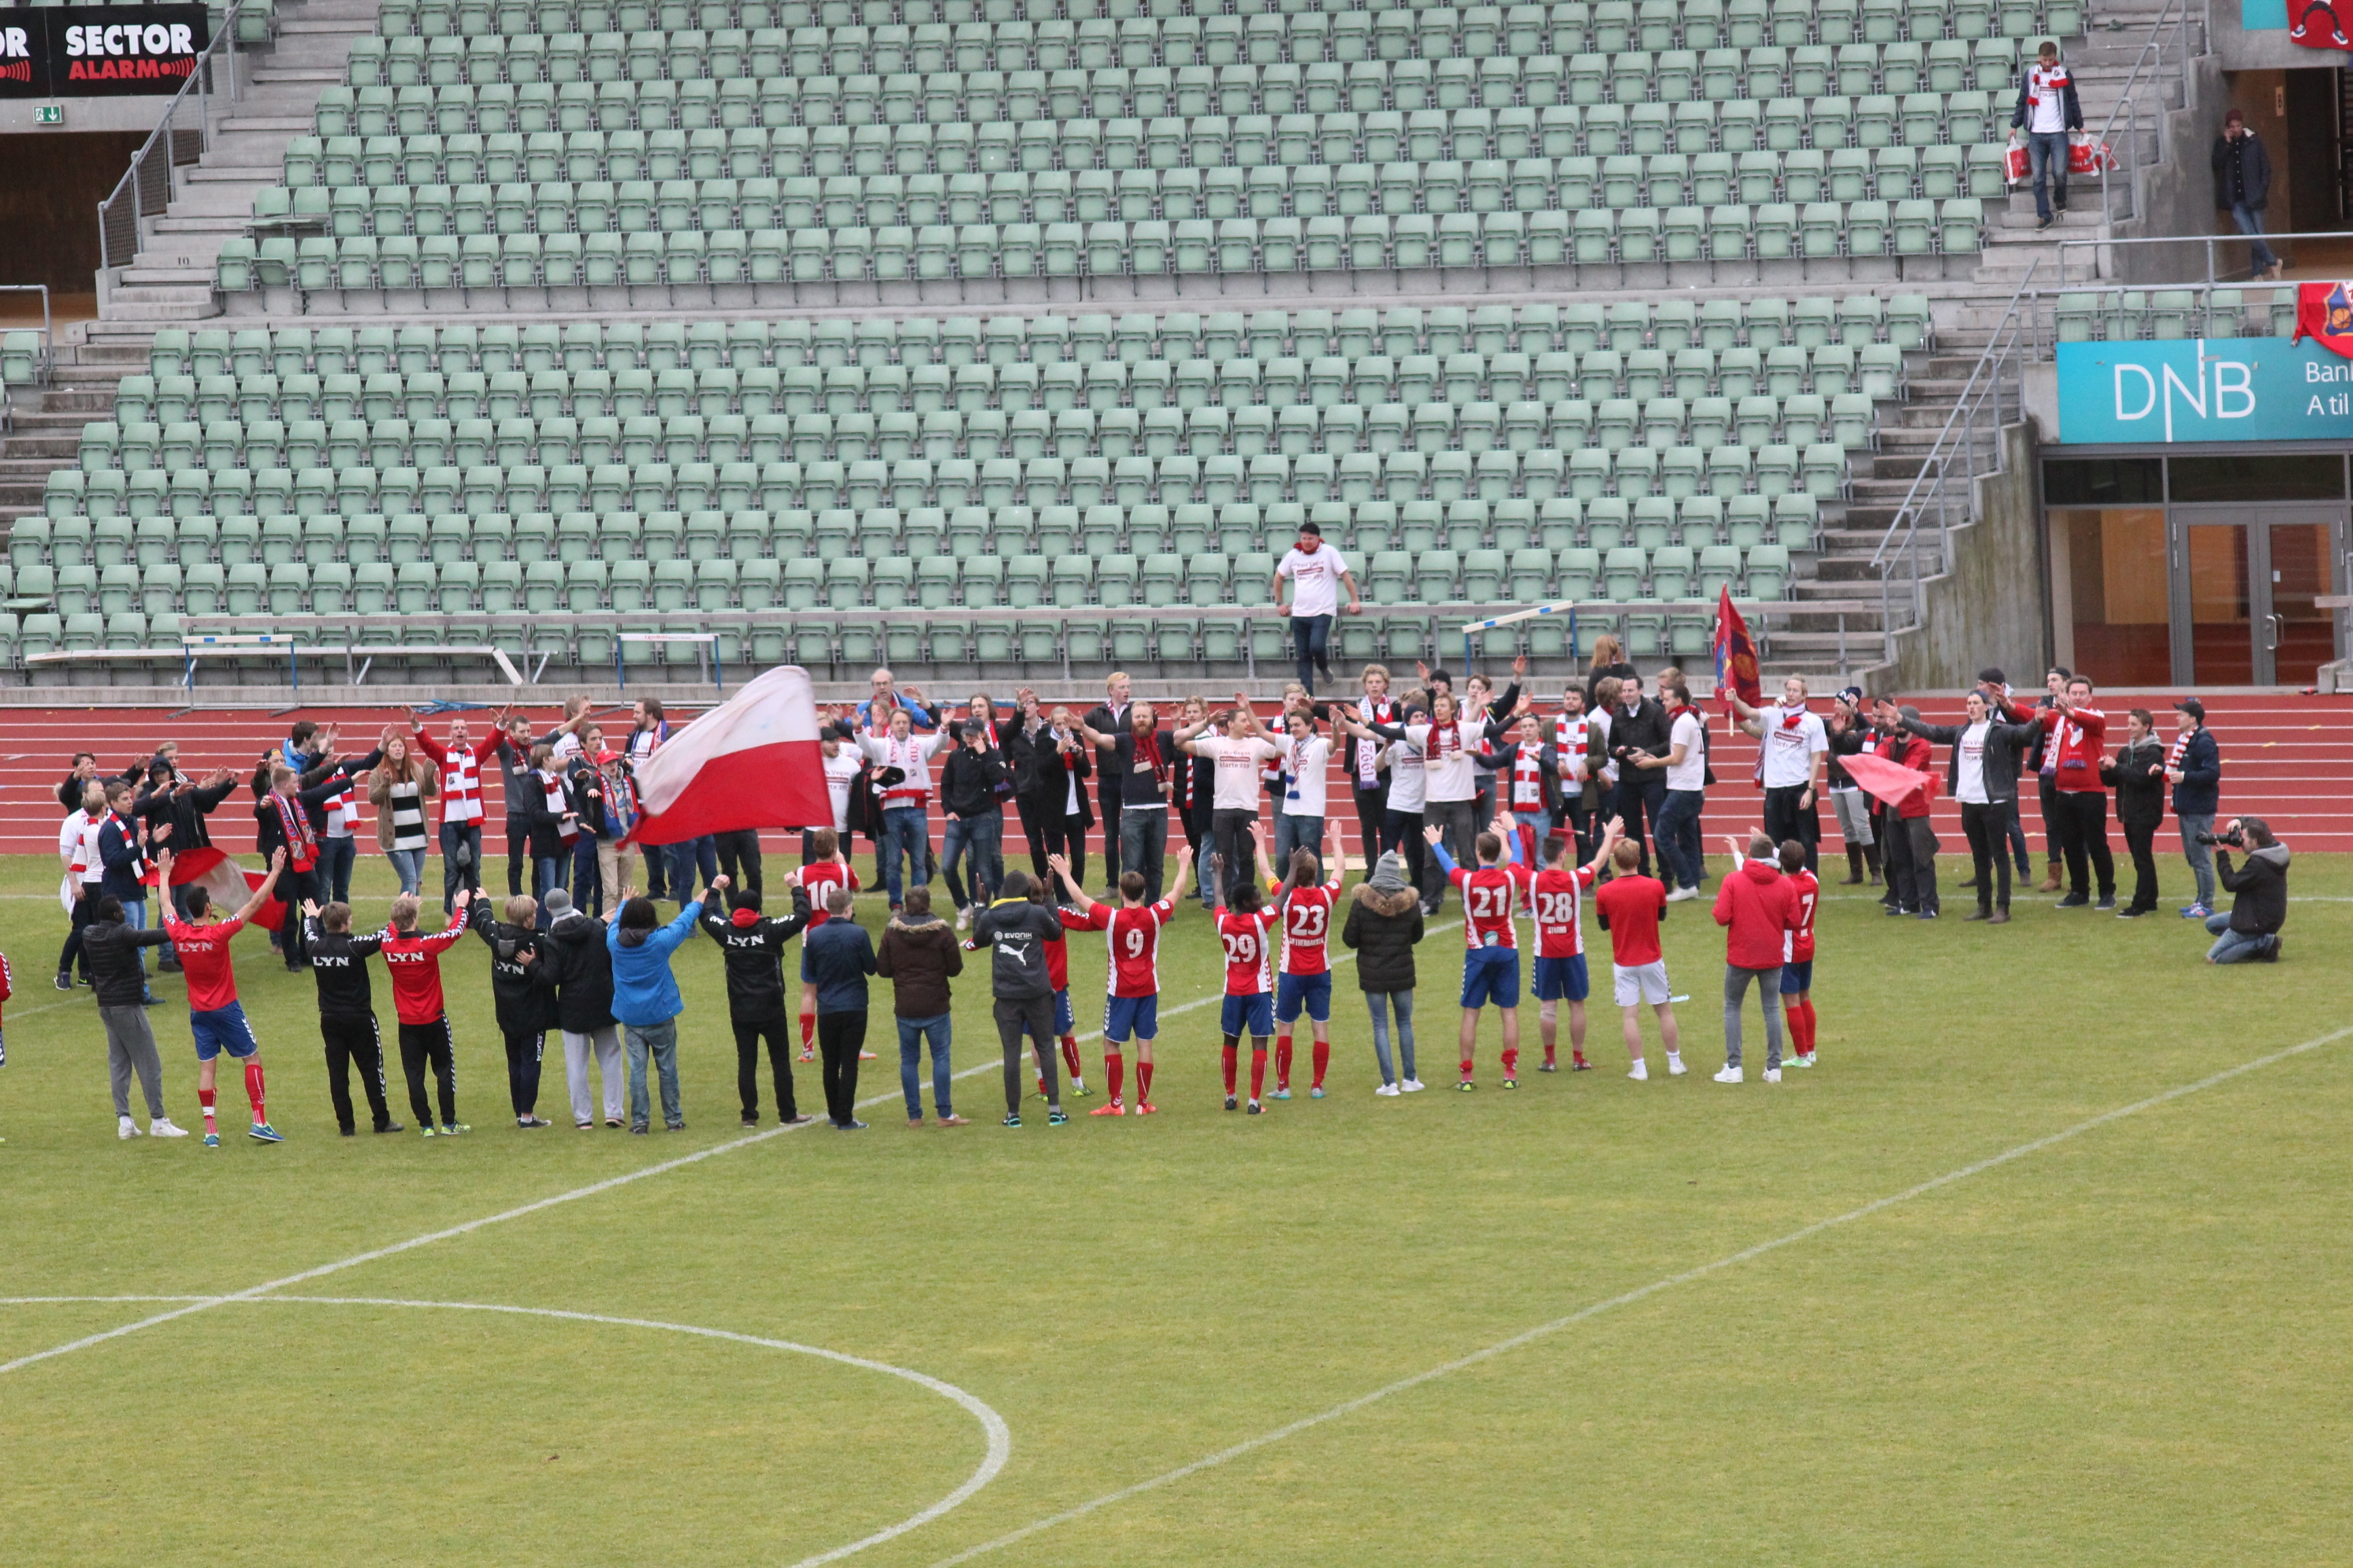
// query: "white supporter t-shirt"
[[1971, 787], [1692, 772], [2046, 99], [1408, 780], [1237, 768], [1307, 766], [840, 775], [1315, 580], [1790, 748]]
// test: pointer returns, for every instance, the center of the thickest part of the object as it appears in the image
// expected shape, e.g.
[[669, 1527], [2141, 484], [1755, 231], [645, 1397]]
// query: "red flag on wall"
[[2318, 26], [2324, 312]]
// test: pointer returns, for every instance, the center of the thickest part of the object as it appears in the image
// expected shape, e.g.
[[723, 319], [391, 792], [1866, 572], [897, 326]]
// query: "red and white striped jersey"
[[819, 879], [1797, 943], [1133, 940], [462, 786], [1489, 895], [1248, 972], [1307, 927], [1560, 930]]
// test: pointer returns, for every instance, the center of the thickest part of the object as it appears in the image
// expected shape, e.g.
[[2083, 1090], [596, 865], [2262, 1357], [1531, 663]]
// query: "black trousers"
[[354, 1042], [1786, 817], [455, 837], [519, 859], [81, 922], [1402, 830], [839, 1038], [1110, 813], [2141, 842], [1199, 833], [2083, 816], [1033, 812], [1034, 1015], [1372, 820], [423, 1045], [1987, 827], [1058, 835], [1911, 863], [293, 886], [1229, 834], [739, 848], [524, 1050], [777, 1032], [1636, 796], [2054, 827]]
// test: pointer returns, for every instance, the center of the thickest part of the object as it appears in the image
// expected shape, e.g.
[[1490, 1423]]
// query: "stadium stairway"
[[2287, 758], [171, 279], [44, 423]]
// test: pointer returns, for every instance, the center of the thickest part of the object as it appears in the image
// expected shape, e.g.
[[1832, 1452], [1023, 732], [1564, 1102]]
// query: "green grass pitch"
[[2128, 1346]]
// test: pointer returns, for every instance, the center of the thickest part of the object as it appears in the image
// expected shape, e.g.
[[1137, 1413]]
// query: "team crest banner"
[[2324, 312]]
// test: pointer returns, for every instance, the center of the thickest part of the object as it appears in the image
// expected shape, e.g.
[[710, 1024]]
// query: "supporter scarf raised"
[[1368, 752], [301, 848]]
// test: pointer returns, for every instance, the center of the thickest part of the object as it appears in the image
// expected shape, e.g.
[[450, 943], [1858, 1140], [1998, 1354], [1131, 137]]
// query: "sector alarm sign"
[[100, 51]]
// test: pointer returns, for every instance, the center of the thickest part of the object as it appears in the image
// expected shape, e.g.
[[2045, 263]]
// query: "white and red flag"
[[752, 761], [227, 883]]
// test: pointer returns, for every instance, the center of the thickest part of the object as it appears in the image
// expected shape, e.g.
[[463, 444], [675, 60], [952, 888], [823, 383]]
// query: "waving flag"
[[1891, 782], [226, 882], [2324, 312], [1735, 655], [752, 761]]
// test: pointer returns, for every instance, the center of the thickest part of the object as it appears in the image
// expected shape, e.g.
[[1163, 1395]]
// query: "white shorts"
[[1638, 982]]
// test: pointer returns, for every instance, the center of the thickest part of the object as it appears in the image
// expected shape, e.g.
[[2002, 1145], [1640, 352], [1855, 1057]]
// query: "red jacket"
[[2078, 733], [1912, 751], [1755, 905]]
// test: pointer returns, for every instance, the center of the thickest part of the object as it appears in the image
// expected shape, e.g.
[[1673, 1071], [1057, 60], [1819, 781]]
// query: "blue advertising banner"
[[2223, 389]]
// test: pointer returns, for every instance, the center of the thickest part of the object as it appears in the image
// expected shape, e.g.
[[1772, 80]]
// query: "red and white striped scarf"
[[301, 844], [342, 811], [462, 786], [552, 784], [2173, 755], [1527, 781]]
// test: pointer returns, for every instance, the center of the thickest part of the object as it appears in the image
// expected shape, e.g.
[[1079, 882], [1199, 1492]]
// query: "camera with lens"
[[2236, 838]]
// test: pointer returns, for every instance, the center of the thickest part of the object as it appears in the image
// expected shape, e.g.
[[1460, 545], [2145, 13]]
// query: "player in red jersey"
[[215, 1018], [1797, 954], [1560, 945], [1066, 1021], [413, 959], [1131, 993], [1243, 922], [1491, 959], [1306, 908], [1632, 906], [827, 869]]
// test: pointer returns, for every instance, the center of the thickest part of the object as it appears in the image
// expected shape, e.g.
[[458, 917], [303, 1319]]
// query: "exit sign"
[[50, 114]]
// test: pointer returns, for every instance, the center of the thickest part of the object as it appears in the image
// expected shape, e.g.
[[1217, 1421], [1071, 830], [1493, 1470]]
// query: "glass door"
[[2246, 596], [2301, 569]]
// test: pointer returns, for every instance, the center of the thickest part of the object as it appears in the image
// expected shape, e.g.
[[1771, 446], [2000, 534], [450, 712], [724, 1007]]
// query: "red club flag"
[[2324, 312], [1891, 782], [1736, 656], [752, 761], [227, 883]]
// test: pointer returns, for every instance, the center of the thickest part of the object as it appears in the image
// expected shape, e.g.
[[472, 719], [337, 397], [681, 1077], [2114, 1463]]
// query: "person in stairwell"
[[2047, 110], [2242, 185]]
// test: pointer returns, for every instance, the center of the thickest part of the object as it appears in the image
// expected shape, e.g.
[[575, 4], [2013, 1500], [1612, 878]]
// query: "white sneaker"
[[1388, 1090], [964, 917], [125, 1128], [1412, 1086], [1675, 1068], [1682, 894], [1641, 1072], [1802, 1059], [1729, 1075], [1772, 1075], [161, 1128]]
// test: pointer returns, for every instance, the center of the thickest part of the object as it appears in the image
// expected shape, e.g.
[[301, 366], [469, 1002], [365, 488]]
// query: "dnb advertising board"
[[98, 51], [2219, 389]]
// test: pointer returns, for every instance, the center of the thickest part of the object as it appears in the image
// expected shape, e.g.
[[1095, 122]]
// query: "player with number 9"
[[1132, 1002]]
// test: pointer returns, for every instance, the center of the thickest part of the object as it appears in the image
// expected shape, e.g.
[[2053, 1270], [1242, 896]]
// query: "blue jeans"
[[906, 830], [660, 1042], [2047, 151], [335, 858], [2250, 222], [1311, 640], [683, 859], [135, 915], [1676, 828], [547, 875], [912, 1035], [1293, 832], [2232, 946], [977, 840], [2199, 856], [1143, 847], [1379, 1002], [408, 865], [1538, 822]]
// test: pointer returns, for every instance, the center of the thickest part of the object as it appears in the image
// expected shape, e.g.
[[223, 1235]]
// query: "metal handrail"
[[145, 194], [2208, 241], [2016, 337], [2126, 106]]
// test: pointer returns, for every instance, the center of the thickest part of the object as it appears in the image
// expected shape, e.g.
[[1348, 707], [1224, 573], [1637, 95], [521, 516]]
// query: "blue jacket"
[[644, 991], [2200, 789], [838, 956], [117, 851]]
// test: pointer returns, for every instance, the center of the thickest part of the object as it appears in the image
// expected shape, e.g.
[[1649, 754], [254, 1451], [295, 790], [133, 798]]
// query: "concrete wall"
[[2177, 195], [142, 112], [1992, 604], [2263, 48]]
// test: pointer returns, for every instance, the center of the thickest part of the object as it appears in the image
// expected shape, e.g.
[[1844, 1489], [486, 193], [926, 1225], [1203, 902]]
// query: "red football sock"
[[809, 1030], [253, 1091], [1549, 1058], [1258, 1071], [1322, 1055], [1794, 1016], [1466, 1069], [1574, 1055], [1232, 1062], [1283, 1061], [1071, 1056], [1812, 1028], [1512, 1061], [1143, 1082], [1115, 1070], [205, 1099]]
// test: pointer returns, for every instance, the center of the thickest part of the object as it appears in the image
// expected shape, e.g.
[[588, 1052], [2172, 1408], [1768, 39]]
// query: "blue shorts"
[[1131, 1017], [1312, 992], [1796, 977], [1562, 979], [223, 1029], [1251, 1015], [1065, 1021], [1491, 975]]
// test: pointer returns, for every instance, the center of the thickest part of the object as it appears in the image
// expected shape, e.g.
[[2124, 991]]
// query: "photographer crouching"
[[2258, 893]]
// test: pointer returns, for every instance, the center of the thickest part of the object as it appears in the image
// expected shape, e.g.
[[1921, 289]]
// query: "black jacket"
[[2137, 775], [583, 790], [1017, 931], [184, 813], [523, 1005], [119, 852], [2242, 171], [754, 956], [69, 791], [969, 782], [1645, 728], [2005, 749], [2258, 894], [313, 790], [339, 965], [575, 963], [2200, 789], [1048, 785], [1383, 929], [113, 947]]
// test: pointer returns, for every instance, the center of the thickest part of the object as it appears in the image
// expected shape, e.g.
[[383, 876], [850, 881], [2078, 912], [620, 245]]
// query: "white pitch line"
[[1689, 1276], [377, 1254]]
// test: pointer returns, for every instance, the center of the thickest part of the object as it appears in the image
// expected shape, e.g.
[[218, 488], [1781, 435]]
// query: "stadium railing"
[[145, 189]]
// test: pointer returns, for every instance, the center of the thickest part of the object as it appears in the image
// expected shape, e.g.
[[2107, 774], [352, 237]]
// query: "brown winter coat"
[[918, 955], [379, 793]]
